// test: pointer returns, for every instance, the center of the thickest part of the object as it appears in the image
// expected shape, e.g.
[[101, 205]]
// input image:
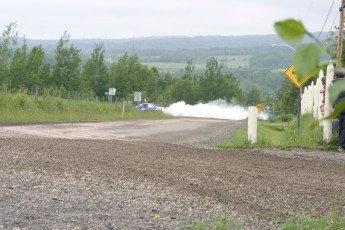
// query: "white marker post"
[[252, 124], [327, 124]]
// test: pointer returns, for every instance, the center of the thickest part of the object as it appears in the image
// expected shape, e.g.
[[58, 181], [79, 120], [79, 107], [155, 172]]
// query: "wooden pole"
[[340, 35]]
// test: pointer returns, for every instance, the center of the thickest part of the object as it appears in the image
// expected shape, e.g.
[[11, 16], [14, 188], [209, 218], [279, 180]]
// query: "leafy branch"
[[307, 58]]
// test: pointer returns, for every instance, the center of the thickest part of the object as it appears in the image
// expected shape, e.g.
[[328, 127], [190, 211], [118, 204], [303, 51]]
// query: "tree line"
[[27, 68], [21, 67]]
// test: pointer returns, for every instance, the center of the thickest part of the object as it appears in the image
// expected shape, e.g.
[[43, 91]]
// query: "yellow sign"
[[259, 106], [290, 73]]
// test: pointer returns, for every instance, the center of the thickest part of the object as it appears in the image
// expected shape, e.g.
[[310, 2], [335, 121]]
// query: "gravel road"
[[68, 176]]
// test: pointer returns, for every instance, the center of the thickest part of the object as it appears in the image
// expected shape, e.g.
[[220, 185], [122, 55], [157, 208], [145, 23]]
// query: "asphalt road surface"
[[119, 175]]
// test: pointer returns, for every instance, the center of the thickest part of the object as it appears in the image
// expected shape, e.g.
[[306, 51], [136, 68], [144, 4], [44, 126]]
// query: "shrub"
[[20, 99], [285, 117]]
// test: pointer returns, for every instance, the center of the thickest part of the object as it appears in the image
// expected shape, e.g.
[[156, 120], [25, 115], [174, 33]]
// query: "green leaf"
[[306, 60], [290, 30], [336, 89]]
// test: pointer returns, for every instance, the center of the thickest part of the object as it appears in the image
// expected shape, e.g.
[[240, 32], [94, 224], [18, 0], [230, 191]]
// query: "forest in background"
[[243, 69], [252, 59]]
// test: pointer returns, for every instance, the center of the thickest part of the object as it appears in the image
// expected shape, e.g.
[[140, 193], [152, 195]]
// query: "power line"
[[329, 31], [309, 9], [325, 20]]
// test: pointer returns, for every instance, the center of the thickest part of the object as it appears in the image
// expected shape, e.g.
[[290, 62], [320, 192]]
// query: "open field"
[[230, 61]]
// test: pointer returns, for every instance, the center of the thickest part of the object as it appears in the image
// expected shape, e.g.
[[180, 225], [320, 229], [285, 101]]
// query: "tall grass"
[[284, 135], [308, 222], [218, 221], [23, 108]]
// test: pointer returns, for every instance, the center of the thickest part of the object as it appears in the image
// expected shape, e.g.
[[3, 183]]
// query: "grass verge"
[[21, 108], [284, 135], [218, 221]]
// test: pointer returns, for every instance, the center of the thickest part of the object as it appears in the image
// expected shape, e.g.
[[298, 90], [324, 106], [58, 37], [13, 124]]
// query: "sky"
[[115, 19]]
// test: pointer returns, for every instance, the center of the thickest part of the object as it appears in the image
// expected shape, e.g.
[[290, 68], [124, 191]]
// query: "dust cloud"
[[217, 109]]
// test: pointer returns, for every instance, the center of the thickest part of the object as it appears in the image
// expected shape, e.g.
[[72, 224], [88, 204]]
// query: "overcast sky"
[[48, 19]]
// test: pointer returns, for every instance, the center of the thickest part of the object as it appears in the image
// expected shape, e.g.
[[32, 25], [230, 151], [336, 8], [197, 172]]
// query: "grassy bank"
[[285, 135], [21, 108]]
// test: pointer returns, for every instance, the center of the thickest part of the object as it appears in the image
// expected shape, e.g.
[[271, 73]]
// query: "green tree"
[[230, 87], [287, 96], [213, 69], [37, 72], [66, 69], [18, 71], [332, 43], [163, 96], [120, 72], [210, 81], [27, 68], [189, 70], [96, 71], [150, 82], [127, 75], [8, 44], [253, 97], [184, 90], [216, 85]]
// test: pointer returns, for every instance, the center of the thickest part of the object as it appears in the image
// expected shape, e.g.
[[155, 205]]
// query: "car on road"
[[148, 107]]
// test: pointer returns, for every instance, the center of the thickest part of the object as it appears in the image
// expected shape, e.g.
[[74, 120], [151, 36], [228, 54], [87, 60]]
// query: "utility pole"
[[340, 35]]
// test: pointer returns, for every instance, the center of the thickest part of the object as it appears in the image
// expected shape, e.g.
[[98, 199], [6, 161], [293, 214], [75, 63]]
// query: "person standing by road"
[[340, 76]]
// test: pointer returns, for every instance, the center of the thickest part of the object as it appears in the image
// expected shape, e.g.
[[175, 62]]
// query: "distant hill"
[[173, 42], [174, 49], [153, 50], [170, 54], [169, 43]]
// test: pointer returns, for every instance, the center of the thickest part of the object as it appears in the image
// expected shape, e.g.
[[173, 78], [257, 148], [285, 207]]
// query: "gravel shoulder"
[[61, 183]]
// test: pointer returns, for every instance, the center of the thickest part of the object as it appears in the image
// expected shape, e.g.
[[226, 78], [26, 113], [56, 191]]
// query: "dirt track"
[[121, 183]]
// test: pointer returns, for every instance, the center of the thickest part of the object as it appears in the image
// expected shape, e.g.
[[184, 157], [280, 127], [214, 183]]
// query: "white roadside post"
[[252, 124], [327, 124]]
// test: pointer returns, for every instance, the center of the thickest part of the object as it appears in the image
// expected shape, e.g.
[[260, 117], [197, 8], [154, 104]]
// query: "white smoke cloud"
[[263, 116], [217, 109]]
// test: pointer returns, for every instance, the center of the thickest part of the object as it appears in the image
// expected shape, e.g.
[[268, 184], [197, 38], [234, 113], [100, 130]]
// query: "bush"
[[20, 99], [50, 104], [285, 117]]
